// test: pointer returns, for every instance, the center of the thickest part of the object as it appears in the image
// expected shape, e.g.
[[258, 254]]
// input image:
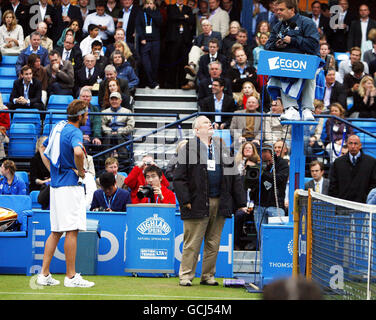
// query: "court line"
[[121, 295]]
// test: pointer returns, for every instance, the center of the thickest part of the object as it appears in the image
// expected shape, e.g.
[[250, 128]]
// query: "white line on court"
[[122, 295]]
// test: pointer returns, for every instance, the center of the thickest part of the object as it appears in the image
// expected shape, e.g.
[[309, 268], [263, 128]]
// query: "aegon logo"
[[154, 226], [286, 64]]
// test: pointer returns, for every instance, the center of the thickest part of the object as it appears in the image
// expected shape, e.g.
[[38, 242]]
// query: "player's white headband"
[[83, 111]]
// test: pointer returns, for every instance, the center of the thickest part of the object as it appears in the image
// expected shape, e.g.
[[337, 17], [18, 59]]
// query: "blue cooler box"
[[87, 248]]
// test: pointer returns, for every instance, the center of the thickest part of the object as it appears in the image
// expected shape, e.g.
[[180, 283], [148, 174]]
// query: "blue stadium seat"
[[22, 140], [16, 248], [9, 61], [5, 97], [25, 177], [6, 85], [55, 117], [23, 117], [22, 130], [8, 73], [59, 102], [34, 199], [47, 129]]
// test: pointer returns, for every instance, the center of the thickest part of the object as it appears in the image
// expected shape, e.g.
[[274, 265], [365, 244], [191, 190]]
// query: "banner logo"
[[154, 226], [287, 64]]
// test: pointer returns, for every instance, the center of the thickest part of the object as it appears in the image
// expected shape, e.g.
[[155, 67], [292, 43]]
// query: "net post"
[[369, 256], [309, 236], [296, 217]]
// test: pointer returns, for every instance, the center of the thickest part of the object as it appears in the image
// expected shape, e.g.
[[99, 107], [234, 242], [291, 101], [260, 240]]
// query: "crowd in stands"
[[110, 48]]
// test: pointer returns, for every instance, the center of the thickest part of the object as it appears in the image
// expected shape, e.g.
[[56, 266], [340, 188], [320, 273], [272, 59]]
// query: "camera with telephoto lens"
[[146, 192]]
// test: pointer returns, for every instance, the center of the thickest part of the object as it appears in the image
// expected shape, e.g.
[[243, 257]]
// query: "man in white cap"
[[118, 127]]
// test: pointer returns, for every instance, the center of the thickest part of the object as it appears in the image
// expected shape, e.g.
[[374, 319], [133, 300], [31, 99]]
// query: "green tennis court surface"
[[16, 287]]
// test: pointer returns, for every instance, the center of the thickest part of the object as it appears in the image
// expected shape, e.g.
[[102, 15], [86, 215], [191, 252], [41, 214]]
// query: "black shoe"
[[210, 282]]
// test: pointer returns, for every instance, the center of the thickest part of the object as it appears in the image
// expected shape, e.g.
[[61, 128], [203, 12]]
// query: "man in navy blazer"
[[88, 74], [356, 36], [218, 101], [72, 52], [66, 12], [180, 22], [26, 92], [127, 20], [212, 55], [318, 183]]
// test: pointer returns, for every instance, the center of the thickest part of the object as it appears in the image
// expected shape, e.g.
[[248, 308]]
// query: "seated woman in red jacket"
[[154, 191], [136, 177]]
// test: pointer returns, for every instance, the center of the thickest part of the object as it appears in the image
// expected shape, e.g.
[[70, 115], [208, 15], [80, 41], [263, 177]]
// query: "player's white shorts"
[[67, 209]]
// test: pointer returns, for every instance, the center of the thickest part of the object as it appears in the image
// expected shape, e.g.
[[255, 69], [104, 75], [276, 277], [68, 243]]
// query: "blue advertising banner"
[[290, 65], [113, 249]]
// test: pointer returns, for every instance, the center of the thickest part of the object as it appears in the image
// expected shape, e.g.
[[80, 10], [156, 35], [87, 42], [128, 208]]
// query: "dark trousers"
[[56, 88], [178, 53], [150, 53]]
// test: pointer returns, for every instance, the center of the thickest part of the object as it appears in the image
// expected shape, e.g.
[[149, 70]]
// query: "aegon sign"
[[286, 64]]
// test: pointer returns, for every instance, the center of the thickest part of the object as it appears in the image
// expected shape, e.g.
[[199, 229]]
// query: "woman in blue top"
[[10, 184], [124, 69]]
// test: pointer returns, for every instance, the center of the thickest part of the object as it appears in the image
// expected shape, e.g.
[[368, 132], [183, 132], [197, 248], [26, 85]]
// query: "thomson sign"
[[284, 64]]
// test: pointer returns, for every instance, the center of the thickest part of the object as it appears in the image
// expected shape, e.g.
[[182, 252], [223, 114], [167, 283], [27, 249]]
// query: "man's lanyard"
[[146, 20], [111, 200]]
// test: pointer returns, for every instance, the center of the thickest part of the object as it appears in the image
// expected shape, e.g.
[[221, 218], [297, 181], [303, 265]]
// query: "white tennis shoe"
[[307, 115], [77, 281], [42, 280], [290, 114]]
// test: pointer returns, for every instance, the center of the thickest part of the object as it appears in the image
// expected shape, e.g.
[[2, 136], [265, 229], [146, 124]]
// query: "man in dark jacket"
[[352, 175], [218, 102], [267, 205], [178, 40], [293, 34], [26, 92], [209, 189]]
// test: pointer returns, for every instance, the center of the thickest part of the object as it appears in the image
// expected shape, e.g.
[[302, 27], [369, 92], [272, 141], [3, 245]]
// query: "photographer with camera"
[[110, 197], [269, 201], [251, 171], [136, 177], [296, 34], [154, 191]]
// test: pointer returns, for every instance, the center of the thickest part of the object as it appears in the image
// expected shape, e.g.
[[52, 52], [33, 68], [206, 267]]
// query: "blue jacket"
[[304, 37], [125, 71], [17, 187], [24, 54]]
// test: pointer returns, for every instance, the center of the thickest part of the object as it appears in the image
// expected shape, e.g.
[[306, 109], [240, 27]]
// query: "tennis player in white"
[[64, 156]]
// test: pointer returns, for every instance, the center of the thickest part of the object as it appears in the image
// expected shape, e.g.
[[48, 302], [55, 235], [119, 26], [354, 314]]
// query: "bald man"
[[208, 191], [353, 175]]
